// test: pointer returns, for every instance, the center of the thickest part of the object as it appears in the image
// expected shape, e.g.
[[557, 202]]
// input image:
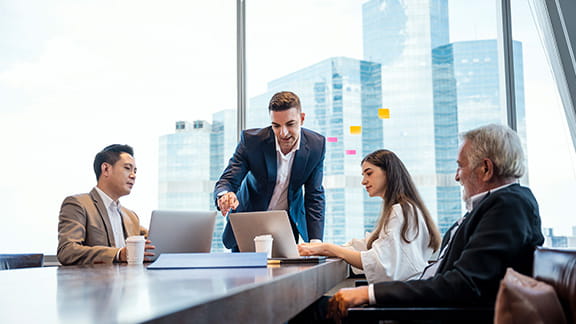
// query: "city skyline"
[[176, 62], [340, 93], [462, 77]]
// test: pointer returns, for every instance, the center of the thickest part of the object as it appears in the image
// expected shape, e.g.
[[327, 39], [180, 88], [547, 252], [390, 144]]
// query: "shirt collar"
[[295, 148], [474, 200], [108, 202]]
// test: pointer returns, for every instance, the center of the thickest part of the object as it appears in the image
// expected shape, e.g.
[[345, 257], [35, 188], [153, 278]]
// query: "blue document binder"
[[209, 260]]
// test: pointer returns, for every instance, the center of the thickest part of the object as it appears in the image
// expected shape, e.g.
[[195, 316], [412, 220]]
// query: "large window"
[[551, 156], [162, 77], [411, 75], [76, 76]]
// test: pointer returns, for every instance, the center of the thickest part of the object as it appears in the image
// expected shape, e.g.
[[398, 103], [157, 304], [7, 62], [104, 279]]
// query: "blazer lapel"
[[300, 160], [270, 160], [129, 227], [103, 211], [452, 239]]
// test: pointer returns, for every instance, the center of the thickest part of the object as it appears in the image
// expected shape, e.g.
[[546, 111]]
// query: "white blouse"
[[390, 257]]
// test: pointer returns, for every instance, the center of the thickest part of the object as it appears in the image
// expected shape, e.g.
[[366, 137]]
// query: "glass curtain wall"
[[76, 76], [403, 75]]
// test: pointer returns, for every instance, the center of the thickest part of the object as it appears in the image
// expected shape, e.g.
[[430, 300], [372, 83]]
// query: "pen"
[[274, 261]]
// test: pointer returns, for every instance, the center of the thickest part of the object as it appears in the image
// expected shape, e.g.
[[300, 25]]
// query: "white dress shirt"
[[390, 257], [284, 162], [115, 216]]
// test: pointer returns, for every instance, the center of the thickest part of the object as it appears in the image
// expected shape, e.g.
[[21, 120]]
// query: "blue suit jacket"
[[251, 174]]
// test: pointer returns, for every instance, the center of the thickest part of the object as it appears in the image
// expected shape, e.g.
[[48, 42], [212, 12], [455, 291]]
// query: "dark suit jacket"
[[85, 233], [501, 231], [251, 174]]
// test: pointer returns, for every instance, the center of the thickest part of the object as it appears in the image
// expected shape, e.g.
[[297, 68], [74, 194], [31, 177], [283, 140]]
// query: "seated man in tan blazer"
[[93, 227]]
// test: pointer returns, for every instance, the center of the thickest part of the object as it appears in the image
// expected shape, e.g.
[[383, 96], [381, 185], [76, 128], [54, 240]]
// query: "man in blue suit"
[[270, 168]]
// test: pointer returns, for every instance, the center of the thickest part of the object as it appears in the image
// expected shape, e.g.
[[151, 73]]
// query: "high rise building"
[[434, 90], [186, 176], [336, 94], [183, 177], [400, 35], [223, 140], [467, 93]]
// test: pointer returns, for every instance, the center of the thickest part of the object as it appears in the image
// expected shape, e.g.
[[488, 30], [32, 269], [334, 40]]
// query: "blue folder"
[[209, 260]]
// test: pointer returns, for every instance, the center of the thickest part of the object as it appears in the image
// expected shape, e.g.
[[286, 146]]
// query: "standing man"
[[93, 227], [501, 229], [271, 166]]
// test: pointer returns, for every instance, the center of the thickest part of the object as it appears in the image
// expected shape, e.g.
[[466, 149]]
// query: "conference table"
[[121, 293]]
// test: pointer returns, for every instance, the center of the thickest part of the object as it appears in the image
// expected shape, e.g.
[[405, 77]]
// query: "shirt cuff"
[[221, 193], [371, 297], [315, 241], [117, 259]]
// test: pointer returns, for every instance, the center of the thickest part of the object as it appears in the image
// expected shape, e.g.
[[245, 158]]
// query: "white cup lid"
[[135, 238], [263, 237]]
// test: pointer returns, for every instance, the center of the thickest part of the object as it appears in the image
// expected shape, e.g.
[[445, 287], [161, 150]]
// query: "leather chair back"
[[557, 267]]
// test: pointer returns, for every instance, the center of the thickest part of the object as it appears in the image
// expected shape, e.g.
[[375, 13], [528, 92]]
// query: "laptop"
[[174, 231], [248, 225]]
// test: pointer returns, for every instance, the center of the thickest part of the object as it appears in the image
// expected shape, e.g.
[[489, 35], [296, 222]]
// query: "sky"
[[76, 76]]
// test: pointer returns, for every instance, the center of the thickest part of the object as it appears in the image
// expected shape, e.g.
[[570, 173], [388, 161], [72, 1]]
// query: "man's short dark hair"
[[284, 100], [110, 154]]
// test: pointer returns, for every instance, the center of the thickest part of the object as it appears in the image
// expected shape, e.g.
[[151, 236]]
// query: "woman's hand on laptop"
[[305, 249], [226, 202]]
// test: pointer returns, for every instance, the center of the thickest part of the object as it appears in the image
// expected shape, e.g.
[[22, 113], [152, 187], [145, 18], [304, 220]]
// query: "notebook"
[[181, 231], [248, 225]]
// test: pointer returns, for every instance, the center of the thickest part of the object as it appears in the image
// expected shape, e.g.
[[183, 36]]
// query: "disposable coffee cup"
[[263, 243], [135, 249]]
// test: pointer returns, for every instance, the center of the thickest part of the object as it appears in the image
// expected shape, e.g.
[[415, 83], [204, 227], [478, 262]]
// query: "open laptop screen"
[[181, 231], [246, 226]]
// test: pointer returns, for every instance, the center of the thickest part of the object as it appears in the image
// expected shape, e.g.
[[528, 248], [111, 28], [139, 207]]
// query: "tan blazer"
[[85, 233]]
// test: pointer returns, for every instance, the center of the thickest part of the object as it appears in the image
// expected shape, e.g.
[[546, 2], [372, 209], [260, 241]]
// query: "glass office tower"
[[337, 94], [222, 141], [191, 160], [467, 94], [183, 169], [400, 35], [434, 90]]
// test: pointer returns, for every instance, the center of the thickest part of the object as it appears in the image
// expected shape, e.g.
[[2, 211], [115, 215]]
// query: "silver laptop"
[[246, 226], [181, 231]]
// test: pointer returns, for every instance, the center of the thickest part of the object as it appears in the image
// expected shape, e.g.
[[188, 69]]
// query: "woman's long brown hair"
[[400, 189]]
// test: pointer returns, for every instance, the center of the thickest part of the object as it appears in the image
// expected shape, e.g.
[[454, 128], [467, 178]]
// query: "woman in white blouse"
[[405, 236]]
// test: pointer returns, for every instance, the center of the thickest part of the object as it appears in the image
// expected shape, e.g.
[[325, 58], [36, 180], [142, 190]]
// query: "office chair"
[[15, 261]]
